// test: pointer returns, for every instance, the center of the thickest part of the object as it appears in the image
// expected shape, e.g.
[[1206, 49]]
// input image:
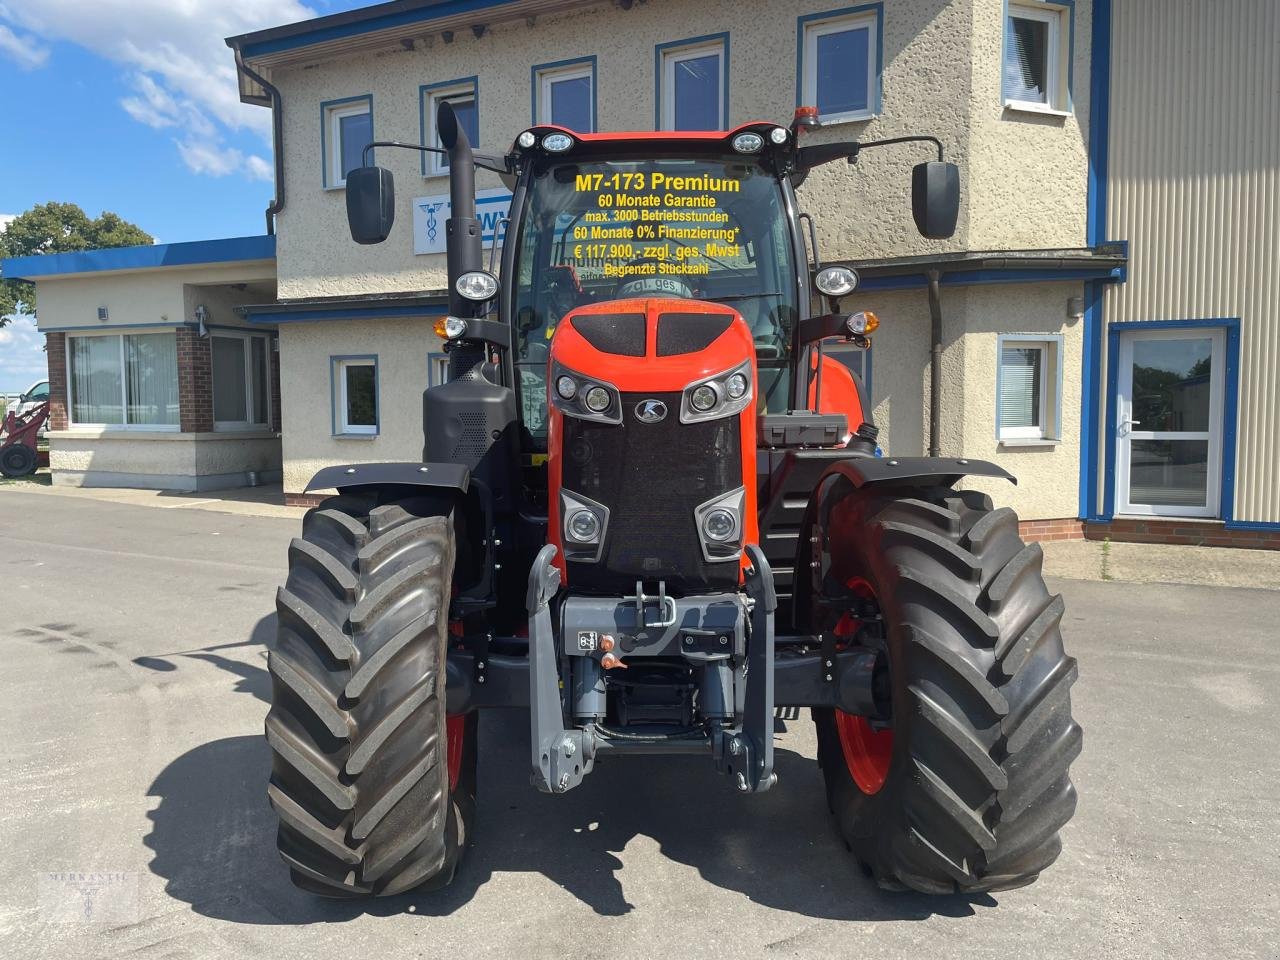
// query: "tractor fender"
[[348, 477], [864, 473]]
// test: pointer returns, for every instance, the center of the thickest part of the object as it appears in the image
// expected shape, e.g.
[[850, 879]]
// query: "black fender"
[[857, 473], [348, 478]]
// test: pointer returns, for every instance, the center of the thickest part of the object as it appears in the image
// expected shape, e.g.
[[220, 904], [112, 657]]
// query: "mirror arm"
[[485, 161], [809, 157]]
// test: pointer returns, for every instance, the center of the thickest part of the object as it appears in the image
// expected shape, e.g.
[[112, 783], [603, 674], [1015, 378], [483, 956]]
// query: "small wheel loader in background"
[[649, 511]]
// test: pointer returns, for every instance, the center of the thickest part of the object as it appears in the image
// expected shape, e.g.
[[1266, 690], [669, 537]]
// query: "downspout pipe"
[[935, 362], [277, 138]]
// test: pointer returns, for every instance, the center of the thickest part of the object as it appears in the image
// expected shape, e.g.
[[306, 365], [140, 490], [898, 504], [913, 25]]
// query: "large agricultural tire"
[[17, 460], [373, 785], [965, 786]]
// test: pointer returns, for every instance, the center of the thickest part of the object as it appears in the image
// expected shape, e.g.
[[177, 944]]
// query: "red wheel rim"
[[455, 734], [867, 751]]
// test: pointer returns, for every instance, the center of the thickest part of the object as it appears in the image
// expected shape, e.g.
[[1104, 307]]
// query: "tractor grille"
[[651, 477]]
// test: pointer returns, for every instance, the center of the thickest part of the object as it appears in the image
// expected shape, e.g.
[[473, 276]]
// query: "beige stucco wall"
[[159, 459], [1023, 174], [137, 296], [402, 348]]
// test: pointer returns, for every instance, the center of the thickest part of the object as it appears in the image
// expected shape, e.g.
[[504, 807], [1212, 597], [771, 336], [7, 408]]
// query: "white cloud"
[[22, 357], [182, 74], [6, 219], [22, 50]]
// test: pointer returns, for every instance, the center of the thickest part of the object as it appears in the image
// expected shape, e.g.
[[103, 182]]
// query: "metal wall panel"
[[1194, 185]]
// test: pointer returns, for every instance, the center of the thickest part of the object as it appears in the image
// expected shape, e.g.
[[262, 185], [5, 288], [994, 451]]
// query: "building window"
[[839, 68], [241, 382], [346, 130], [693, 84], [1028, 387], [355, 396], [1036, 53], [564, 94], [464, 96], [124, 381]]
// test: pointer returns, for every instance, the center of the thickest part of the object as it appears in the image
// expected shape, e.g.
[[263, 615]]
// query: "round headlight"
[[748, 142], [736, 386], [566, 387], [557, 142], [836, 281], [720, 525], [778, 135], [583, 526], [526, 140], [454, 327], [597, 399], [704, 398]]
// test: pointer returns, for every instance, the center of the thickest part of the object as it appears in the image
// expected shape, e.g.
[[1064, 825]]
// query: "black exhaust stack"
[[462, 230]]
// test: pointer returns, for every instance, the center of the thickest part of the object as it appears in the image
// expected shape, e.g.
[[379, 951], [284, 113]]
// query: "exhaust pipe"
[[463, 250]]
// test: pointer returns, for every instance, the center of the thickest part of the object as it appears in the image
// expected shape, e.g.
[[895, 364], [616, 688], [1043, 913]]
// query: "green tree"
[[57, 228]]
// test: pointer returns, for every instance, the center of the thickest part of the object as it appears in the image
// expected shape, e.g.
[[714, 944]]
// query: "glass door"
[[1169, 422]]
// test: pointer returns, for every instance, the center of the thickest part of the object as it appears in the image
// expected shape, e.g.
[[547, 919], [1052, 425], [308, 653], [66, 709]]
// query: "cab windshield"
[[704, 229]]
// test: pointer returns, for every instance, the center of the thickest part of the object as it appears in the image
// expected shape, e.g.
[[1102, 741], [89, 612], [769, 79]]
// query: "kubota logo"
[[651, 411]]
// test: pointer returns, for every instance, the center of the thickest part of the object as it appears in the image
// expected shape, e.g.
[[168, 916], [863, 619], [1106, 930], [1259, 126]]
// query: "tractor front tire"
[[17, 460], [965, 787], [373, 785]]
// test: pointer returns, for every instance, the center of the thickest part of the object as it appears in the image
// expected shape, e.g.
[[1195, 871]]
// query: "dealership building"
[[1108, 309]]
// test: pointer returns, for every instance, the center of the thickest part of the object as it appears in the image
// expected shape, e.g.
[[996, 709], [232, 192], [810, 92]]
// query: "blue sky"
[[132, 106]]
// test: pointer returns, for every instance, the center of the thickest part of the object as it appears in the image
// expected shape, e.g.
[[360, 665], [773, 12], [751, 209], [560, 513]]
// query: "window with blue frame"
[[693, 85], [464, 97], [565, 95], [346, 130], [840, 63]]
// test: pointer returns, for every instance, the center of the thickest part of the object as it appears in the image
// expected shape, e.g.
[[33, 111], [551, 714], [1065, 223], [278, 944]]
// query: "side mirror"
[[371, 204], [935, 198]]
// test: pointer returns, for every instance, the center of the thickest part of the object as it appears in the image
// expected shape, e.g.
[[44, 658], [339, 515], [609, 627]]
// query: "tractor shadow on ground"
[[213, 835]]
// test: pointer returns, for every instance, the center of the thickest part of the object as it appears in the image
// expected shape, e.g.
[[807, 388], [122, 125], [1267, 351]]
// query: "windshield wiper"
[[743, 296]]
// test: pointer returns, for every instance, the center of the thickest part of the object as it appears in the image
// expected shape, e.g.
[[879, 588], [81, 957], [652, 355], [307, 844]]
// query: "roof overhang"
[[380, 26], [1106, 262], [152, 257], [394, 306]]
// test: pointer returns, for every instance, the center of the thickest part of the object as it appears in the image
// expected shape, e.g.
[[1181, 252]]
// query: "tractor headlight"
[[477, 285], [723, 395], [704, 398], [557, 142], [862, 323], [450, 328], [597, 399], [584, 524], [587, 398], [836, 281], [526, 140], [720, 525], [748, 142], [778, 135]]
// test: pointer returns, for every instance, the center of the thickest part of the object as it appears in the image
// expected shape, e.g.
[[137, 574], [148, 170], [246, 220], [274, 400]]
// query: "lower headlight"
[[736, 386], [720, 525], [566, 387], [583, 526]]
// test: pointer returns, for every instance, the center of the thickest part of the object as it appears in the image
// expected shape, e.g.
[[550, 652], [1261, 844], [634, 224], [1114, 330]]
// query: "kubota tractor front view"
[[650, 511]]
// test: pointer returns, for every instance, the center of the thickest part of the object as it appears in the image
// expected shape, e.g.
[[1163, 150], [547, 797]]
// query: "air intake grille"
[[621, 334], [689, 332]]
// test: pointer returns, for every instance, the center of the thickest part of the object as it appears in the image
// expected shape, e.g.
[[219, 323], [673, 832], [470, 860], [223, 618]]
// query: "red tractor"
[[651, 512]]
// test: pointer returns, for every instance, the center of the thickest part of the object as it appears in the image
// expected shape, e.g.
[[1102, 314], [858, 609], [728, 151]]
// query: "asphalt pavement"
[[135, 817]]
